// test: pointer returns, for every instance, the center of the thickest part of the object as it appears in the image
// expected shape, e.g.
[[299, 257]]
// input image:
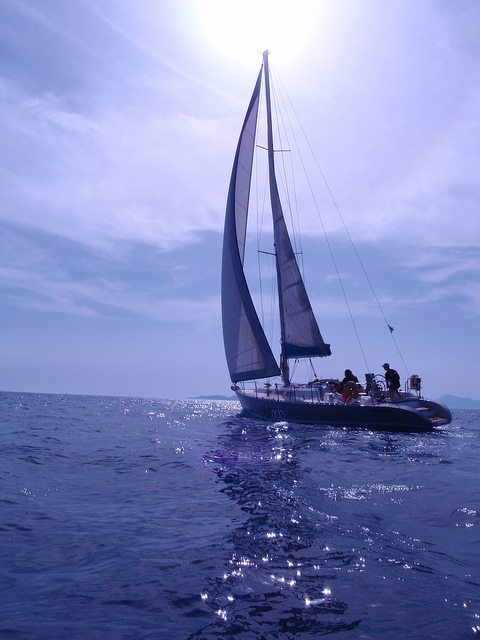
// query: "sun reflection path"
[[282, 559]]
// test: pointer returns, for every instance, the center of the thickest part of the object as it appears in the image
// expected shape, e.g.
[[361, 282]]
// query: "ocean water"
[[138, 518]]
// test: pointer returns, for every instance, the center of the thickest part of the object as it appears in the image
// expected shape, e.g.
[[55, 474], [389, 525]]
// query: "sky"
[[119, 124]]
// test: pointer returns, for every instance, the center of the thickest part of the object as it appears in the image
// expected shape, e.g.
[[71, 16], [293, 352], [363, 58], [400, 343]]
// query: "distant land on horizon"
[[452, 402]]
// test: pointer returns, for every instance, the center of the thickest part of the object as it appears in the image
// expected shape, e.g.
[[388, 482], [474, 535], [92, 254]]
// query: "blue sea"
[[133, 518]]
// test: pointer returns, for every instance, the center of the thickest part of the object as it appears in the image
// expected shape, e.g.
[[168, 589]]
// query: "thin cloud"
[[132, 176], [102, 299]]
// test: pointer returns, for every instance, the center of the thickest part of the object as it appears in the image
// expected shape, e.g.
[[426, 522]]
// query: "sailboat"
[[262, 384]]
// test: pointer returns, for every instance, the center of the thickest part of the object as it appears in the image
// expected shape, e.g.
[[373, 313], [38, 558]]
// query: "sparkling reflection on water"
[[346, 530]]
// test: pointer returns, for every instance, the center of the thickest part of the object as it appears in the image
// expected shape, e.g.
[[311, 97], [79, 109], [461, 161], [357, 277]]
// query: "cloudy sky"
[[119, 124]]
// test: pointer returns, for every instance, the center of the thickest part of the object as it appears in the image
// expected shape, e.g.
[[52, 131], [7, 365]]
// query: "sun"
[[243, 29]]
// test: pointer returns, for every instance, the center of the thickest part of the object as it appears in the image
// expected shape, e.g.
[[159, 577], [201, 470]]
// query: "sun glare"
[[241, 30]]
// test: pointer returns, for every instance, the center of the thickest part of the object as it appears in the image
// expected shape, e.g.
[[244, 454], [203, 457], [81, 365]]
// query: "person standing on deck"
[[393, 381]]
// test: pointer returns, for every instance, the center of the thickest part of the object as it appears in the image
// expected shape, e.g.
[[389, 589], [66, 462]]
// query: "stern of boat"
[[435, 412]]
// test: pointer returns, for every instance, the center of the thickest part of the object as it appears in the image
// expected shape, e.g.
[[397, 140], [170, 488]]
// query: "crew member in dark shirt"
[[393, 381], [349, 377]]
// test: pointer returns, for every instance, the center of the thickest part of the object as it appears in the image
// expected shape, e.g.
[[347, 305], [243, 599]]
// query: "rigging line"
[[312, 367], [293, 210], [279, 120], [260, 211], [358, 256], [259, 236], [260, 222], [260, 227], [332, 256], [272, 271], [325, 231], [294, 367], [259, 216], [347, 232]]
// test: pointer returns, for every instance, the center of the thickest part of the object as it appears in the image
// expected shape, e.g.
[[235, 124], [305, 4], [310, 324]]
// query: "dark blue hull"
[[412, 413]]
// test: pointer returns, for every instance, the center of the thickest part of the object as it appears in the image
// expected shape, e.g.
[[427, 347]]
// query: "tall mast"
[[276, 206]]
